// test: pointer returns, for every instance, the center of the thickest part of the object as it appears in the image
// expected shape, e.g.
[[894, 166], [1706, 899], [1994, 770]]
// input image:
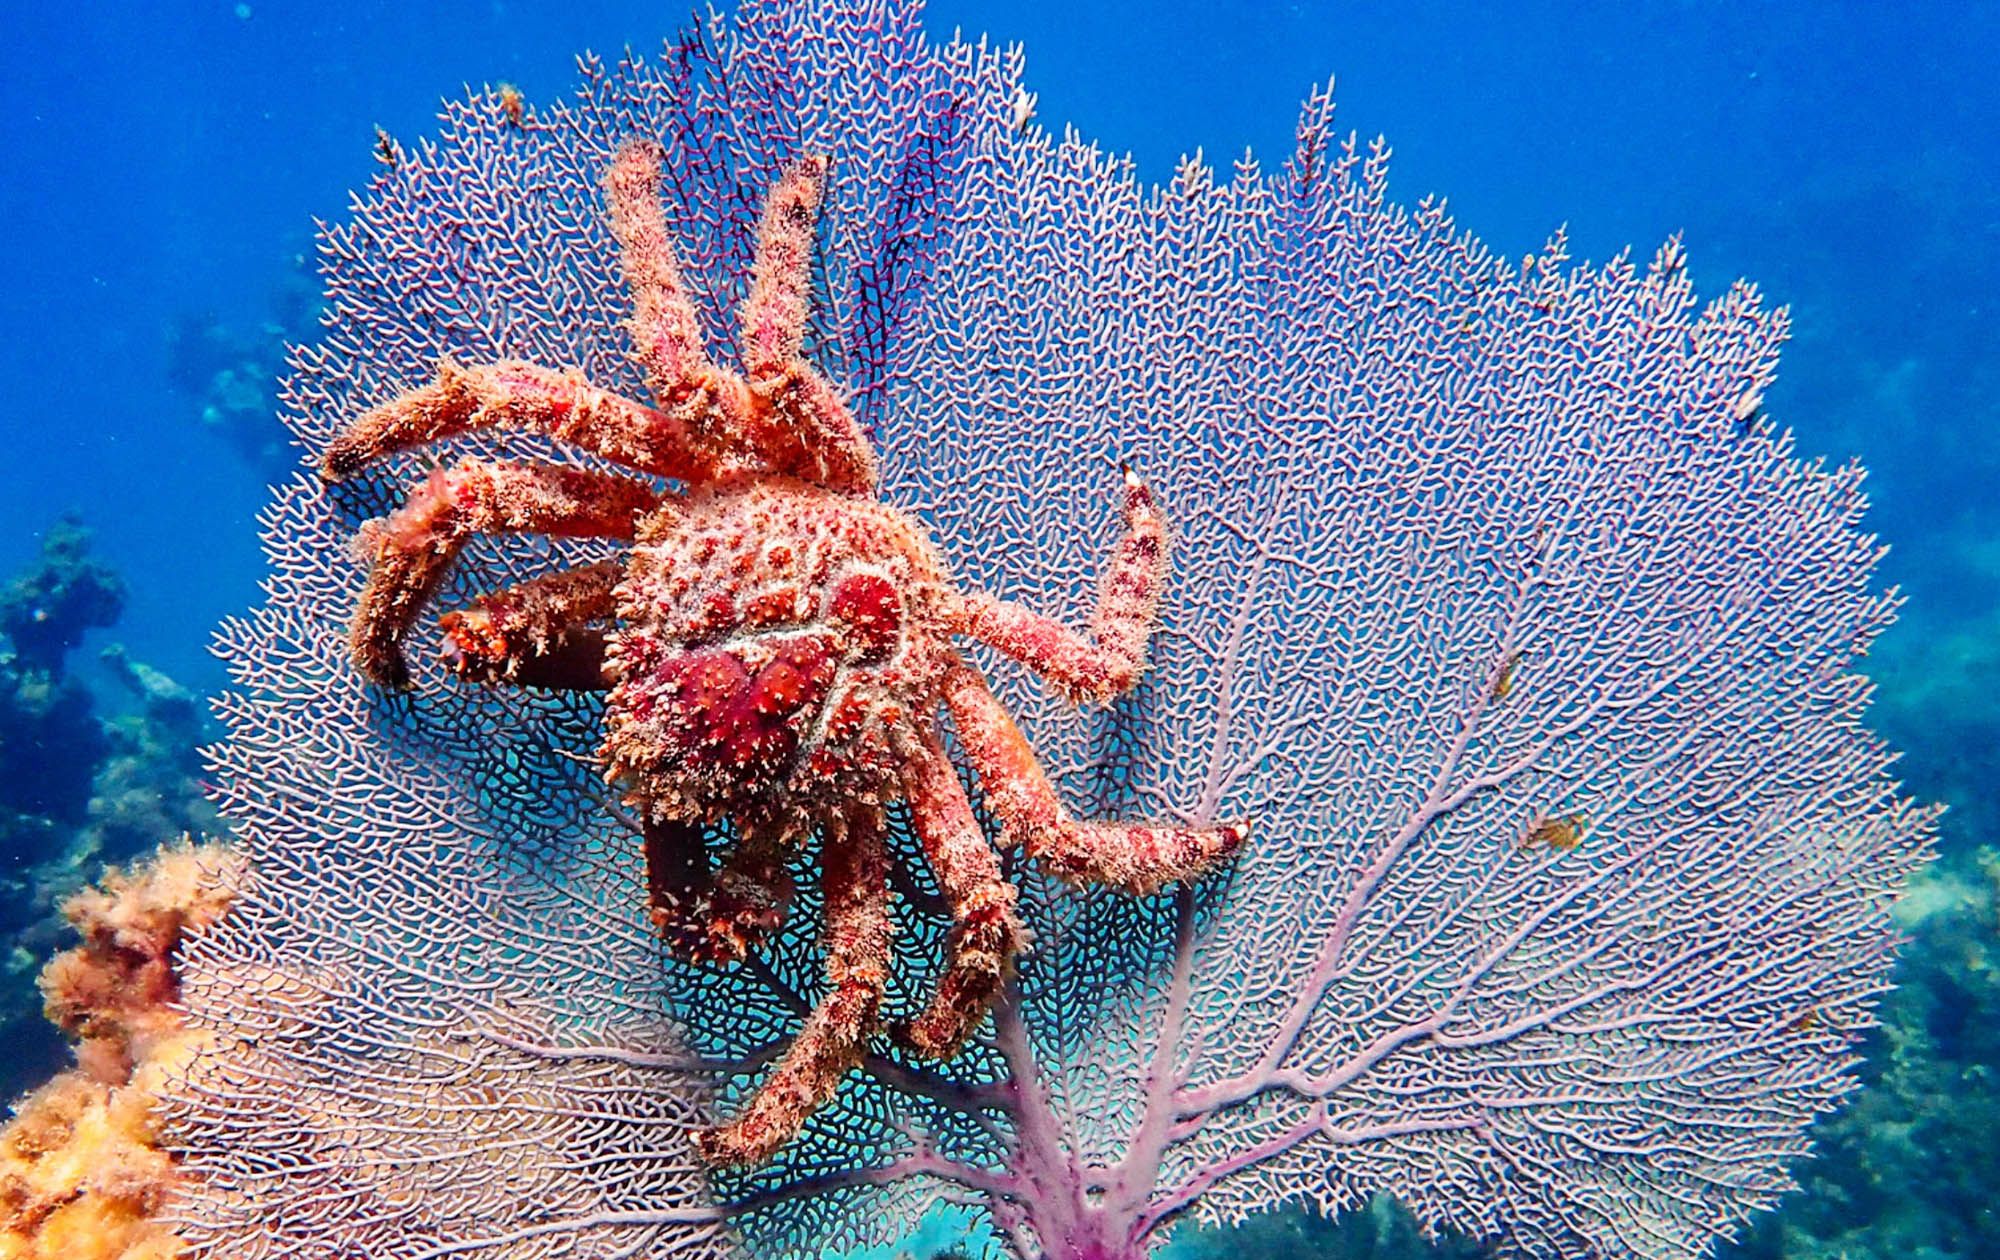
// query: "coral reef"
[[1464, 547], [228, 370], [45, 611], [115, 993], [1912, 1168], [49, 743], [83, 1169], [82, 1175], [147, 787], [78, 785], [88, 1166], [1940, 695]]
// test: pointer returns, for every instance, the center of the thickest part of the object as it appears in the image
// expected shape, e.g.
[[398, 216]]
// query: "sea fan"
[[1499, 607]]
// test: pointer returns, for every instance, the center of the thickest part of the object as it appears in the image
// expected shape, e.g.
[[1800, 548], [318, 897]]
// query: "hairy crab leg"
[[986, 934], [511, 394], [773, 315], [537, 634], [575, 662], [666, 331], [1109, 662], [798, 407], [1137, 858], [786, 418], [855, 937], [721, 918], [414, 546], [676, 867]]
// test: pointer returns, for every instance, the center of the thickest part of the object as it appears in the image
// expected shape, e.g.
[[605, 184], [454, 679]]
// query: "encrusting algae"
[[82, 1174]]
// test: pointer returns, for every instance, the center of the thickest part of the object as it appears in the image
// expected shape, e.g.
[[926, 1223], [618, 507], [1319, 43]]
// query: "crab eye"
[[868, 615]]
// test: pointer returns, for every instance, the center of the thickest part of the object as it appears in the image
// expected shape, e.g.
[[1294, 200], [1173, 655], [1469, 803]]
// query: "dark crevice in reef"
[[88, 774]]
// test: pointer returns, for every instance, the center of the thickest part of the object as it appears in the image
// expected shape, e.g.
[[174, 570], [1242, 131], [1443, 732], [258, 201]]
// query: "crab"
[[777, 645]]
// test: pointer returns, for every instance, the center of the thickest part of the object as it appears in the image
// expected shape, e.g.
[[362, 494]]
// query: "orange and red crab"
[[777, 643]]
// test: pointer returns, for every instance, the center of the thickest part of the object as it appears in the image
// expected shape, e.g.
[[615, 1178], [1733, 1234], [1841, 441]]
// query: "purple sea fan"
[[1498, 607]]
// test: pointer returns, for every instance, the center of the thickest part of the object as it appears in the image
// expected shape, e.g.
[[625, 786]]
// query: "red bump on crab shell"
[[774, 608], [757, 727], [718, 614], [868, 613], [715, 709], [780, 688], [696, 691]]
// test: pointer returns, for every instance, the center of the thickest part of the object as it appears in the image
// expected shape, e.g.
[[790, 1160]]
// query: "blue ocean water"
[[165, 165]]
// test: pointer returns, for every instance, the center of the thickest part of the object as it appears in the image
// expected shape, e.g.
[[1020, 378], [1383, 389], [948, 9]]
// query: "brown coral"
[[81, 1170]]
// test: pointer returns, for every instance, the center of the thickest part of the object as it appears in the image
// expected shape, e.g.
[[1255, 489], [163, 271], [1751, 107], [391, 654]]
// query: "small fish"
[[1561, 833]]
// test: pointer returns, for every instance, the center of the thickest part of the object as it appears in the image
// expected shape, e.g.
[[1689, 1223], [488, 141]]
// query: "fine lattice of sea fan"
[[1498, 606]]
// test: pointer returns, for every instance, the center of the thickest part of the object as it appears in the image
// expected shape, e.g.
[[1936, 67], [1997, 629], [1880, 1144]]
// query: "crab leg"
[[537, 634], [414, 546], [774, 313], [799, 410], [856, 939], [785, 418], [986, 935], [1136, 858], [1109, 662], [717, 919], [666, 332], [676, 869], [511, 394]]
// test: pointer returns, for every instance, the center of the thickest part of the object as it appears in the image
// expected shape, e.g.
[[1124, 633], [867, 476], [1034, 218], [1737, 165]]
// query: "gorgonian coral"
[[1497, 603]]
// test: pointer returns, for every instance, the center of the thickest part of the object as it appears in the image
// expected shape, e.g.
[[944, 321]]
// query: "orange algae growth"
[[512, 105], [82, 1174]]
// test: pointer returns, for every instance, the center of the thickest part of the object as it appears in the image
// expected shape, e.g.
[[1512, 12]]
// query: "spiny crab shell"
[[774, 639]]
